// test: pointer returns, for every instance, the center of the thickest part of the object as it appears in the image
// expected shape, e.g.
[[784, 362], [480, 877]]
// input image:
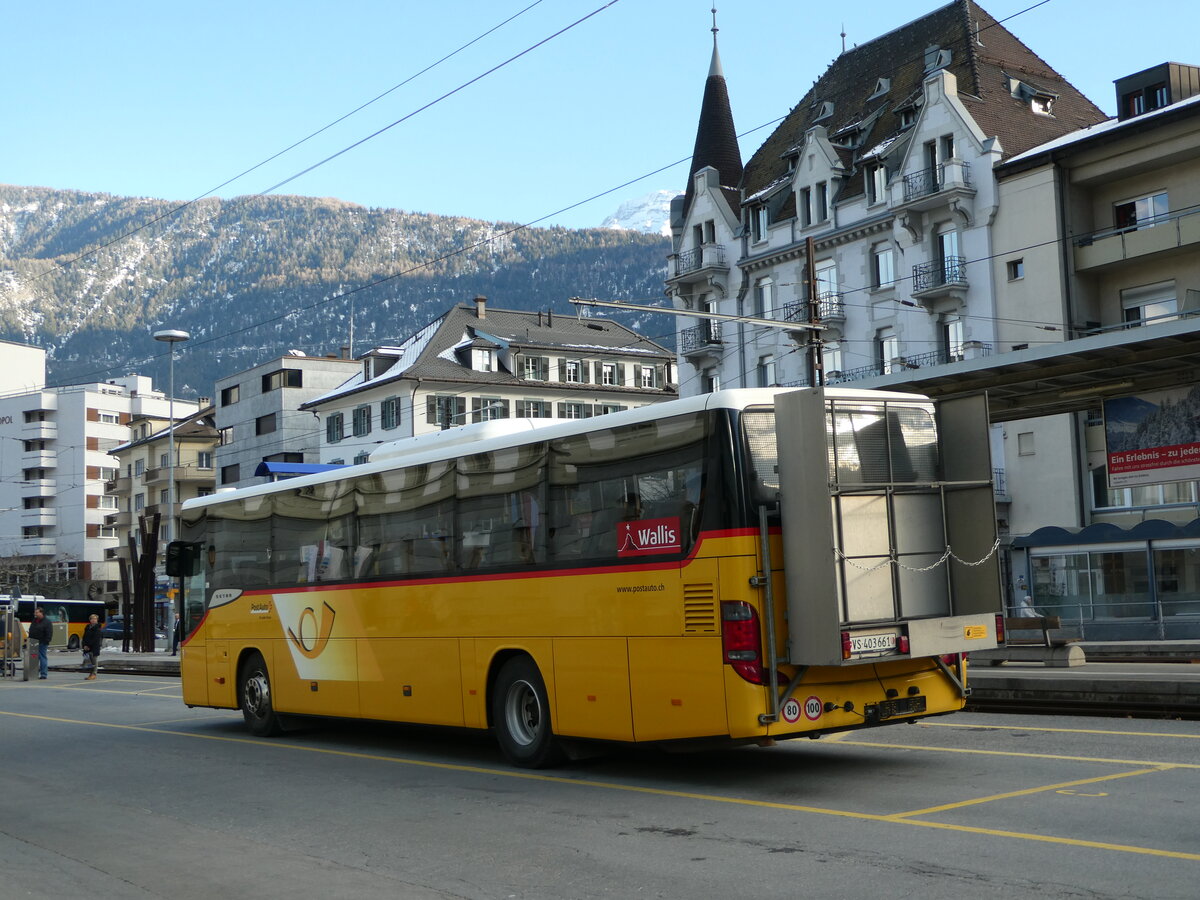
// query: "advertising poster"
[[1152, 438]]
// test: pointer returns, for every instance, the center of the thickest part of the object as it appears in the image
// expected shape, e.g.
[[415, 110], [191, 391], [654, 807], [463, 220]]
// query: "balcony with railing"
[[937, 186], [831, 308], [699, 262], [969, 350], [182, 474], [701, 339], [1173, 233], [940, 280]]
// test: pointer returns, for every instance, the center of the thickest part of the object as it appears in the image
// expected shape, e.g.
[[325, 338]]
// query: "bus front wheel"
[[254, 697], [521, 716]]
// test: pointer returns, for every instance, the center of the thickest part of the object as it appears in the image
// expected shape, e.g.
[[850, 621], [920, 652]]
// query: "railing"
[[939, 273], [855, 374], [699, 258], [1086, 240], [930, 181], [830, 305], [699, 337], [999, 483]]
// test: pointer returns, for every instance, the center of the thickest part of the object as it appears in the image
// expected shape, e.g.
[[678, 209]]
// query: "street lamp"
[[172, 337]]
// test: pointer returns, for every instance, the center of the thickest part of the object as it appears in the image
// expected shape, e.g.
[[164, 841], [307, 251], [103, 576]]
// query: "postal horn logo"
[[312, 638]]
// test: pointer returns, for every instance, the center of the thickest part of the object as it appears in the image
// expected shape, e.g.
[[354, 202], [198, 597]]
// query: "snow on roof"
[[881, 148], [1092, 131]]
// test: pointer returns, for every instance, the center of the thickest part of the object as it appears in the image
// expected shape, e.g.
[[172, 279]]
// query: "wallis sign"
[[648, 536]]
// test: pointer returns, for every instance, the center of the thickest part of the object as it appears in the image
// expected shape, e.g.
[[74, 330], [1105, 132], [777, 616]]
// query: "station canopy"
[[1066, 376]]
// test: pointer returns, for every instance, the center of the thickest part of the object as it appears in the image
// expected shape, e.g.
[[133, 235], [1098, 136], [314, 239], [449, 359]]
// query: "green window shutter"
[[431, 405]]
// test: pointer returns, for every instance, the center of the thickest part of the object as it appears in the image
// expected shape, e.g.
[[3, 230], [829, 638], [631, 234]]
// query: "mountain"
[[90, 276], [650, 214]]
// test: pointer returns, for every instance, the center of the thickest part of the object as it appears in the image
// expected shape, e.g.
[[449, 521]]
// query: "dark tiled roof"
[[716, 138], [983, 55], [534, 333]]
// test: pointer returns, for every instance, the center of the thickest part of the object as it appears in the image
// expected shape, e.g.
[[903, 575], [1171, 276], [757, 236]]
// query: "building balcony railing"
[[33, 431], [35, 546], [118, 485], [831, 307], [930, 182], [700, 260], [1000, 484], [182, 473], [970, 350], [39, 517], [1172, 233], [121, 519], [702, 338], [938, 275]]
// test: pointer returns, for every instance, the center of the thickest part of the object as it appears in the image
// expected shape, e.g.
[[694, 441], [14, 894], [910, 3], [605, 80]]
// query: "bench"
[[1041, 624], [1029, 639]]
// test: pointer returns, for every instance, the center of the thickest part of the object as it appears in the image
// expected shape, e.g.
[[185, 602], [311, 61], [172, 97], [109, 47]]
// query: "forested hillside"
[[256, 276]]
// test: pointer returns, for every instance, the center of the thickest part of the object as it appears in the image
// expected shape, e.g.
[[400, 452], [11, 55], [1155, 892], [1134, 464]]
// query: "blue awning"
[[291, 470], [1107, 533]]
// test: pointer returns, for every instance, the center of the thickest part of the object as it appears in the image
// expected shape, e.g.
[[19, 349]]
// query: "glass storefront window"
[[1177, 577]]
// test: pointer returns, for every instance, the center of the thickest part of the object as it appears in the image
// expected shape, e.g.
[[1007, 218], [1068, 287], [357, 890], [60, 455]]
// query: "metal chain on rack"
[[947, 554]]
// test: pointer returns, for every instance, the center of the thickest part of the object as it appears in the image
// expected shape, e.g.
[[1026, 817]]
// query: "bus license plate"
[[872, 643], [903, 706]]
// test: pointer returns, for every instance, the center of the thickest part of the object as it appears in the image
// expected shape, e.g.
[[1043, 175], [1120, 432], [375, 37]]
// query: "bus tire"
[[254, 697], [521, 716], [73, 642]]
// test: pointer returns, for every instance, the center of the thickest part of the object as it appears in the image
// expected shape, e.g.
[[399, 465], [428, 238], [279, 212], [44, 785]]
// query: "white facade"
[[54, 468]]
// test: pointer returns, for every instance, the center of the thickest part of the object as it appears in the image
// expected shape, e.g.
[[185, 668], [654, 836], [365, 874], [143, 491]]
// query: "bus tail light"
[[847, 647], [741, 640], [902, 644], [1000, 628]]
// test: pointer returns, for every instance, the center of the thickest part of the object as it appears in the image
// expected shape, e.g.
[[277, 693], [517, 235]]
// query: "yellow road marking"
[[1194, 737], [1019, 755], [635, 789], [1025, 792]]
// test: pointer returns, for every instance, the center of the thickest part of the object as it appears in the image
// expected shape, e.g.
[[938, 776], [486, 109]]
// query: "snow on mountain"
[[650, 214]]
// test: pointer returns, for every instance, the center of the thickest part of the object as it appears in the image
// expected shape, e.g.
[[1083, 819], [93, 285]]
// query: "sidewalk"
[[161, 662]]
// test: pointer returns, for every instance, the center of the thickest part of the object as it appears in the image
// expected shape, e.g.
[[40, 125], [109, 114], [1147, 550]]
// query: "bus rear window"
[[868, 443]]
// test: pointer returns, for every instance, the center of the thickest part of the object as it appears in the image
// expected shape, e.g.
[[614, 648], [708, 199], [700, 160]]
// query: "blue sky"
[[170, 99]]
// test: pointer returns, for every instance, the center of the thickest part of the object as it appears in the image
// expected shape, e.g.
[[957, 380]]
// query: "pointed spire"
[[716, 138]]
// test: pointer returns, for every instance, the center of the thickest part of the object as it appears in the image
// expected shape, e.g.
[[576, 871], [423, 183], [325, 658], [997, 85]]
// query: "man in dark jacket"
[[92, 639], [41, 631]]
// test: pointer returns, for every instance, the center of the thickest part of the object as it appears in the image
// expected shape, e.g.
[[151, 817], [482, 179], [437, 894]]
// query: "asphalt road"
[[114, 789]]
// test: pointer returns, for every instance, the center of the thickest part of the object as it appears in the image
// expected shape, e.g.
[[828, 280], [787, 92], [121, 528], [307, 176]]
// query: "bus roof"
[[501, 434]]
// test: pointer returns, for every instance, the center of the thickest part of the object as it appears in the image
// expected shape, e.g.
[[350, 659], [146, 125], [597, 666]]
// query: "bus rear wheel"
[[521, 716], [254, 697], [73, 642]]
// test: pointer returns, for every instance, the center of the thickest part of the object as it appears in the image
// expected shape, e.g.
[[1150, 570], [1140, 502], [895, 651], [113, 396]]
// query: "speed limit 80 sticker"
[[793, 708]]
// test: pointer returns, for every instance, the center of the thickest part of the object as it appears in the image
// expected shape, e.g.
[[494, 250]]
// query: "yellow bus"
[[68, 617], [744, 566]]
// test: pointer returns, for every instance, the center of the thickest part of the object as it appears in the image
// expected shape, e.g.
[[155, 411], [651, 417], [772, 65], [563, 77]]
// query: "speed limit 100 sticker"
[[812, 708], [791, 711]]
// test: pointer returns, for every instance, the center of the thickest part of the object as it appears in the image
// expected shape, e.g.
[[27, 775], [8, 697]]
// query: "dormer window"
[[908, 117], [485, 360], [1043, 105], [759, 220], [822, 109], [882, 86], [936, 58], [1040, 101]]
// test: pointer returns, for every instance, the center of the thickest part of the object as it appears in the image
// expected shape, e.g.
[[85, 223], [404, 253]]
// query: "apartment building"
[[259, 417], [55, 470], [475, 363]]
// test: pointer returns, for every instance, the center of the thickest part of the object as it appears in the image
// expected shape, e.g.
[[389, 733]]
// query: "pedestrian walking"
[[42, 632], [92, 640], [176, 635]]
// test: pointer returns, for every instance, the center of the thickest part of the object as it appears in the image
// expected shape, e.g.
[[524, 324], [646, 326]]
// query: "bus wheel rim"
[[523, 713], [258, 694]]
